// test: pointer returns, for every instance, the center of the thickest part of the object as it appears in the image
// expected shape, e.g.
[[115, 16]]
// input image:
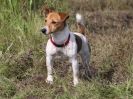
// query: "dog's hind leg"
[[85, 56], [87, 71]]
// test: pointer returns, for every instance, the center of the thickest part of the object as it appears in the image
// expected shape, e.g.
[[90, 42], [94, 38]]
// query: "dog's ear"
[[46, 11], [63, 17]]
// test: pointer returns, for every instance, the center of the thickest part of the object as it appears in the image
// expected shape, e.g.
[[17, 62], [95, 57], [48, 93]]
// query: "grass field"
[[109, 26]]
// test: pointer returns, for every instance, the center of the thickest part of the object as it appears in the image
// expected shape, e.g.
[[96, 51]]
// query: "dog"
[[62, 40]]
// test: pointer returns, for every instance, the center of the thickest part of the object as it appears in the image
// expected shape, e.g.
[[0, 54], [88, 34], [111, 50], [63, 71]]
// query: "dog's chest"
[[62, 51], [59, 52], [68, 50]]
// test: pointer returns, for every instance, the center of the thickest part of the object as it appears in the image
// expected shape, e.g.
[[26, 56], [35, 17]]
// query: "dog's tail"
[[80, 23]]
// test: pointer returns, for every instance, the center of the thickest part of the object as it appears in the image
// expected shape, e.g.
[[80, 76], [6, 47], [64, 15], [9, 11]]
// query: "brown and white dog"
[[64, 41]]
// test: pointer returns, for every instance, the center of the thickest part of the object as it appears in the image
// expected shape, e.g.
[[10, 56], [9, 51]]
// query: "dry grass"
[[98, 5], [22, 59], [110, 32], [113, 53]]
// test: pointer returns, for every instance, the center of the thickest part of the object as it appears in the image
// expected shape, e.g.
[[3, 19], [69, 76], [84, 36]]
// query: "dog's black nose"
[[43, 30]]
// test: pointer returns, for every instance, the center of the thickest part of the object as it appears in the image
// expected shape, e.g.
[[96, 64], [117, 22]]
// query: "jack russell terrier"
[[62, 40]]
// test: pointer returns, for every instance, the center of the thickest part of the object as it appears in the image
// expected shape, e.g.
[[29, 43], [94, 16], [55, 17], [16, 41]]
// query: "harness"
[[60, 45], [78, 42]]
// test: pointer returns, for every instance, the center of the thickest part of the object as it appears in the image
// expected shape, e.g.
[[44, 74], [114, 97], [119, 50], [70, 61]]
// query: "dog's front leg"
[[75, 68], [49, 63]]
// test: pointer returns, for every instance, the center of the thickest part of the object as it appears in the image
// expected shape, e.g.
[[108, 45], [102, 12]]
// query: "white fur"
[[69, 50], [80, 19]]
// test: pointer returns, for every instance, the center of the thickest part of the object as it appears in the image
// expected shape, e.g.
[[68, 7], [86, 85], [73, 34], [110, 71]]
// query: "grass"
[[22, 55]]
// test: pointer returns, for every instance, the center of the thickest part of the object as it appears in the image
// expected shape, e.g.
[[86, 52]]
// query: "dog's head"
[[54, 21]]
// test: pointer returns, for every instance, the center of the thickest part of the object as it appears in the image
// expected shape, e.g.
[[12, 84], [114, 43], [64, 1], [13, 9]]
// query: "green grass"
[[22, 55]]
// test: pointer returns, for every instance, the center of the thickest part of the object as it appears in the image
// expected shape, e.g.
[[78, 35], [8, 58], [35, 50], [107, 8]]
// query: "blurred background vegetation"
[[109, 29]]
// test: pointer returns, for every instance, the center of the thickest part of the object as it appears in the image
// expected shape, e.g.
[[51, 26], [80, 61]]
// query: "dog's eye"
[[45, 20], [54, 22]]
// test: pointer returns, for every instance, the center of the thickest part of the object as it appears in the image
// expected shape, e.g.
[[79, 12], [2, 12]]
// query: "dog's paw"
[[49, 80]]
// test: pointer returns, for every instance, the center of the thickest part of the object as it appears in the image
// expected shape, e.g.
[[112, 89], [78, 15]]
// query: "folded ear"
[[46, 11], [63, 16]]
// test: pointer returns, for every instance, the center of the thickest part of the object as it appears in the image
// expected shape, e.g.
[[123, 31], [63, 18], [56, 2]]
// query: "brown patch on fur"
[[56, 21], [63, 16], [45, 10], [81, 28]]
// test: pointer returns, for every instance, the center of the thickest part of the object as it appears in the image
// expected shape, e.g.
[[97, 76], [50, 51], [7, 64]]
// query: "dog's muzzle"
[[43, 30]]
